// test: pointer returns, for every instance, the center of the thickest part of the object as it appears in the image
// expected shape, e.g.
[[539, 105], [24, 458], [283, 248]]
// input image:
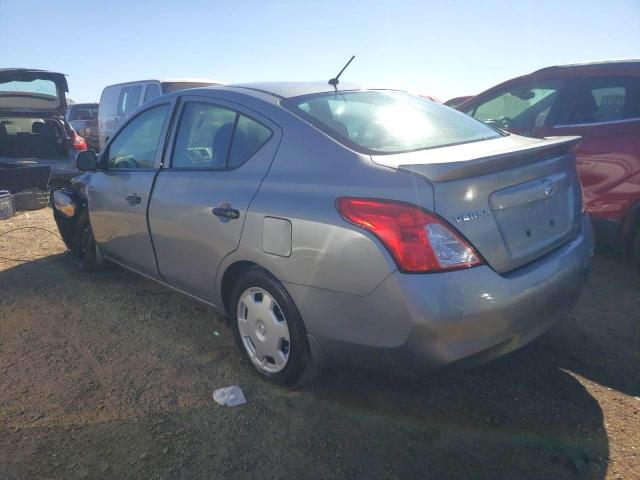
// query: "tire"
[[252, 327], [83, 246]]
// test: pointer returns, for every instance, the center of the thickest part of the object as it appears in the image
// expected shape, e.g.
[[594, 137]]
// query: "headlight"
[[64, 204]]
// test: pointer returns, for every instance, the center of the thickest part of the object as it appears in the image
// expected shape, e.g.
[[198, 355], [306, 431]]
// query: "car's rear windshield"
[[36, 94], [384, 121], [83, 112]]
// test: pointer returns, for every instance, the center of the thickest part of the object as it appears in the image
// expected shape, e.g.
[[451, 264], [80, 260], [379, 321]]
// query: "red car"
[[599, 102], [456, 101]]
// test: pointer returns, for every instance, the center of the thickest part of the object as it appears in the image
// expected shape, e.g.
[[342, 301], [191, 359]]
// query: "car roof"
[[604, 67], [168, 80], [190, 80], [633, 62], [282, 90]]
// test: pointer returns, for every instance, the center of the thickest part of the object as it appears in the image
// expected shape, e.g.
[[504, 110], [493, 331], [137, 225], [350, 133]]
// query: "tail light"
[[78, 142], [419, 241]]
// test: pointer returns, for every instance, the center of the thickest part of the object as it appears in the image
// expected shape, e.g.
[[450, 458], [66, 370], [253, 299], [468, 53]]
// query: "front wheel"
[[269, 330], [83, 246]]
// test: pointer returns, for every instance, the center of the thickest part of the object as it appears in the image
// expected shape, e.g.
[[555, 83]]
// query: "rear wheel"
[[84, 249], [269, 330]]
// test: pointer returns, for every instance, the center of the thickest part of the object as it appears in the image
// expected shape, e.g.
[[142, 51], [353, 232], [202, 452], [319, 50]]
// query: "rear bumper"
[[433, 320]]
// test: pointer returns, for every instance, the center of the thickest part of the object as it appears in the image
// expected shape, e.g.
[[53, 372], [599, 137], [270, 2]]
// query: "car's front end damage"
[[68, 203]]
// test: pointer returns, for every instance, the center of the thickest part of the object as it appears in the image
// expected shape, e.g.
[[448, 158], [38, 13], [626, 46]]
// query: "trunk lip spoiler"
[[469, 161]]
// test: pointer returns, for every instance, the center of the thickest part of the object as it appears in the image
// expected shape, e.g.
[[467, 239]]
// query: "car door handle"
[[133, 199], [225, 211]]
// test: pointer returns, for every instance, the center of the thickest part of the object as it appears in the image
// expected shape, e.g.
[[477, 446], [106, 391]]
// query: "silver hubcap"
[[263, 329]]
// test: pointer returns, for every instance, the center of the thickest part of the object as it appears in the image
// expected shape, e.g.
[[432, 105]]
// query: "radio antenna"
[[336, 80]]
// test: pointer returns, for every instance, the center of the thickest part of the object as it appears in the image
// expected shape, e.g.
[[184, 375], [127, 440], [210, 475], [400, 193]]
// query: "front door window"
[[135, 146], [521, 107]]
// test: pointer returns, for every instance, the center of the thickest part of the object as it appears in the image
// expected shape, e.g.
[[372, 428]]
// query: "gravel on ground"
[[111, 376]]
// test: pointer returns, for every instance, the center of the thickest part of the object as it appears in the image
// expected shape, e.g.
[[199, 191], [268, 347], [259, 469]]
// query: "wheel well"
[[231, 274], [67, 226]]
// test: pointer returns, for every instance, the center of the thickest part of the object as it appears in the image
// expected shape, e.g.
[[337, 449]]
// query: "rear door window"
[[605, 99], [204, 136], [136, 144], [248, 138], [214, 137], [31, 93]]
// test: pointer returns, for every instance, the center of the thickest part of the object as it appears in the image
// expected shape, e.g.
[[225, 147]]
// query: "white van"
[[119, 101]]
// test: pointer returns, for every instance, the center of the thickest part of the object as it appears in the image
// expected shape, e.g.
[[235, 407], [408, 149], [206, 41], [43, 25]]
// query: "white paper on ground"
[[229, 396]]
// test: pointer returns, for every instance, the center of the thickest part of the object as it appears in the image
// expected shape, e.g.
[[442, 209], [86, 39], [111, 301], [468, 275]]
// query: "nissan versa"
[[338, 223]]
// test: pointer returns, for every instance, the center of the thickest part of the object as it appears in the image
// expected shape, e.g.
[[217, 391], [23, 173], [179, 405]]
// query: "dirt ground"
[[111, 376]]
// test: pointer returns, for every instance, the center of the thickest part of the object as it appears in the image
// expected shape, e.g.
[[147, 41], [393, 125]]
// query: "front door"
[[219, 156], [118, 195]]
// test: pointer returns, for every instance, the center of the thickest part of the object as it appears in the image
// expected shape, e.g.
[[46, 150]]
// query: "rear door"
[[219, 154], [119, 194], [605, 112]]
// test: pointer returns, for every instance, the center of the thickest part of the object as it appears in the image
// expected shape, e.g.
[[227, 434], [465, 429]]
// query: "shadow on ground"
[[110, 376]]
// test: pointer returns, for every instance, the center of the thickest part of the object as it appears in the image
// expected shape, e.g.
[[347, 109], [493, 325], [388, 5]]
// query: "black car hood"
[[26, 104]]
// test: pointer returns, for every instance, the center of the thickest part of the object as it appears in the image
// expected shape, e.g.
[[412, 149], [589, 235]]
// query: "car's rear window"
[[382, 121], [35, 94], [83, 112]]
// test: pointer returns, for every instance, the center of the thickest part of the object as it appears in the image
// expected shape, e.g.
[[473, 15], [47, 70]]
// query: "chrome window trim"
[[610, 122]]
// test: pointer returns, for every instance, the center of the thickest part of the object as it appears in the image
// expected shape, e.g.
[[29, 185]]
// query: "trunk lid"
[[514, 198], [29, 92]]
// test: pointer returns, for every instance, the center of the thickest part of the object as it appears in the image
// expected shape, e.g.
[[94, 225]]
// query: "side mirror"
[[87, 160]]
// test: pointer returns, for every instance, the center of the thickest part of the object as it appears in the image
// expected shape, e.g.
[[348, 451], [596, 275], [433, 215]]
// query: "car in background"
[[454, 102], [598, 101], [349, 224], [33, 127], [430, 97], [119, 101], [83, 117]]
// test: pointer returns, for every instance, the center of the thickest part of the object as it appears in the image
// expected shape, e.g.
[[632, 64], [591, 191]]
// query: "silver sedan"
[[337, 224]]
